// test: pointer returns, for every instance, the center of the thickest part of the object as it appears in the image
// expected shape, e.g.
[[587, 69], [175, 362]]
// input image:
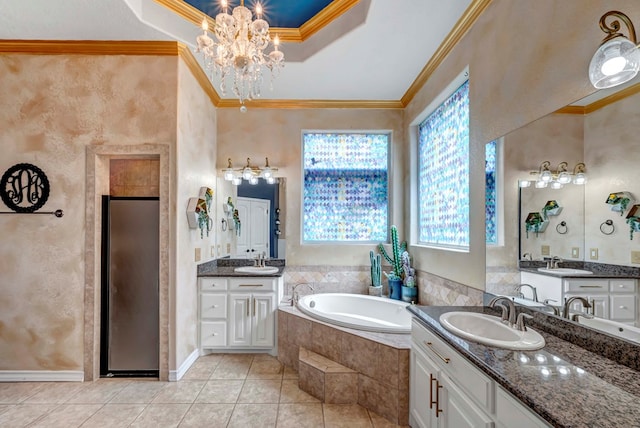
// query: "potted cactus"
[[375, 288], [396, 276]]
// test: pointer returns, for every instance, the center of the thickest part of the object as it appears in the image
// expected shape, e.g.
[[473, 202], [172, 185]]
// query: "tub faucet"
[[508, 313], [567, 305], [295, 296], [534, 293]]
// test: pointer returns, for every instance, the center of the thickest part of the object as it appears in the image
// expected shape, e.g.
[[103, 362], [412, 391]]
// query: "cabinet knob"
[[623, 307]]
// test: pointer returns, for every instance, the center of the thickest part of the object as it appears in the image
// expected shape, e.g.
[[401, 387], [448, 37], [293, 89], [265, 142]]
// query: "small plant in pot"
[[375, 288], [397, 274], [409, 289]]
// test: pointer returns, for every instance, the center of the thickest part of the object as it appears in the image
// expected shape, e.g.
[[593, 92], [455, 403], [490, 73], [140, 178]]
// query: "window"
[[345, 190], [443, 173], [491, 192]]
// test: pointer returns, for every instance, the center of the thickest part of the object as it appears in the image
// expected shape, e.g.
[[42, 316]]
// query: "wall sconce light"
[[617, 60], [558, 178], [250, 173]]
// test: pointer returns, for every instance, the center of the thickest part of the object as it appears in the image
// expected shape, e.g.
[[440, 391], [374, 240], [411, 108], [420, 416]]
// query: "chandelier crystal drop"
[[238, 49]]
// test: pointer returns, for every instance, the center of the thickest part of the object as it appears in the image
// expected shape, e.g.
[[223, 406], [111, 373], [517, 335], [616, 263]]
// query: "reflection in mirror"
[[602, 134]]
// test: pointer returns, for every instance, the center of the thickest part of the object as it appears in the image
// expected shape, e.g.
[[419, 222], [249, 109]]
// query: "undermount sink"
[[565, 271], [256, 270], [490, 330]]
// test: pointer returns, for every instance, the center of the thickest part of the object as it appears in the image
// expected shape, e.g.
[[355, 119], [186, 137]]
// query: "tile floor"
[[230, 390]]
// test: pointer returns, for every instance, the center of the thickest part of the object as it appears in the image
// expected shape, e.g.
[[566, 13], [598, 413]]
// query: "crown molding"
[[88, 47], [291, 35], [312, 104], [201, 77], [475, 9], [597, 105]]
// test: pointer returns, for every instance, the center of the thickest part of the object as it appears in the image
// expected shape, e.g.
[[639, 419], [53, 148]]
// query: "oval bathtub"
[[359, 311]]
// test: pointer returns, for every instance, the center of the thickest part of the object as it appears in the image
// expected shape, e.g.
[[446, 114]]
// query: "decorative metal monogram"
[[24, 188]]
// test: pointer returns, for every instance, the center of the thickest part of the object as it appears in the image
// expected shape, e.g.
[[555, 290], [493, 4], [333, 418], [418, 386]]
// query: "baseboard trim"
[[176, 375], [41, 376]]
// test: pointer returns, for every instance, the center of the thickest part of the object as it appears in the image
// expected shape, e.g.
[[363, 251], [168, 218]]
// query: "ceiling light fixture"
[[249, 173], [239, 49], [617, 60]]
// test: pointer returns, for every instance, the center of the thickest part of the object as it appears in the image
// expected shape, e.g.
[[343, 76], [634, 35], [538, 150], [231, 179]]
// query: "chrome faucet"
[[567, 304], [555, 309], [295, 296], [528, 256], [534, 292], [553, 262], [508, 313], [520, 324]]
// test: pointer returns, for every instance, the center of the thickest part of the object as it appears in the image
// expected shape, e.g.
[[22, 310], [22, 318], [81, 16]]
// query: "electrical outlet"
[[593, 253], [218, 248], [213, 251], [635, 257], [198, 254], [575, 252], [545, 250]]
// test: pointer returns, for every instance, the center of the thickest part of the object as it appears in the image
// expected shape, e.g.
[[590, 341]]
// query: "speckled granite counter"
[[600, 270], [225, 267], [565, 384]]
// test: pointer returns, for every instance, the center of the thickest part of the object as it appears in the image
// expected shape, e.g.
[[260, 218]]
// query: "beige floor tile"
[[139, 392], [380, 422], [67, 416], [99, 392], [207, 415], [199, 371], [211, 359], [237, 358], [265, 368], [290, 393], [253, 415], [4, 407], [17, 392], [220, 391], [345, 416], [21, 415], [56, 392], [180, 392], [289, 373], [260, 391], [114, 416], [298, 415], [231, 370], [161, 416]]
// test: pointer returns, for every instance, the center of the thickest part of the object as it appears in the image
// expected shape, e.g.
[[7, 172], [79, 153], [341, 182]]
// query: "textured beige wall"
[[52, 108], [196, 167], [277, 134], [613, 162], [526, 60]]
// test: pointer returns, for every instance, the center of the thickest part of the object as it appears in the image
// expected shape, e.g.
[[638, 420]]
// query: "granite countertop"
[[567, 385], [226, 267], [600, 270], [619, 275]]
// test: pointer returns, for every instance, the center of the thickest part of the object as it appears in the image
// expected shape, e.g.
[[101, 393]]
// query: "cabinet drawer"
[[586, 286], [213, 284], [622, 285], [213, 334], [213, 305], [623, 307], [510, 413], [248, 283], [461, 372]]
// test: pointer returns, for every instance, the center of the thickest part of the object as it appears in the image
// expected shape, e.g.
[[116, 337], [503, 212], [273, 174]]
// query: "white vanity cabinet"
[[612, 298], [238, 313], [448, 391]]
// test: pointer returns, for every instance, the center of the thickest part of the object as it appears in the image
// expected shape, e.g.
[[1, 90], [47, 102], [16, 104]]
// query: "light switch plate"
[[198, 254], [228, 248], [213, 251], [593, 253], [635, 257], [575, 252], [545, 250]]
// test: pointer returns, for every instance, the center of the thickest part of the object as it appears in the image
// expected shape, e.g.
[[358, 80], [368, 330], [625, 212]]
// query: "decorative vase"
[[395, 289], [375, 291], [410, 294]]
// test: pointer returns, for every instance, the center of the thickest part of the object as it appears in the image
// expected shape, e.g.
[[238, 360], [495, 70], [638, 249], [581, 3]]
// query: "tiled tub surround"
[[381, 360], [573, 387]]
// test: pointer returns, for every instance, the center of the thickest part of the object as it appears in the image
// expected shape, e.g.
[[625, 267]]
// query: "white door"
[[254, 226], [240, 319], [263, 319]]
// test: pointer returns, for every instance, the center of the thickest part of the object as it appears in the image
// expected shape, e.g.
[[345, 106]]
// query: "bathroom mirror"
[[603, 135]]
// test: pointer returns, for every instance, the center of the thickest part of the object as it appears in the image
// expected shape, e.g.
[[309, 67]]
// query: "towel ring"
[[224, 225], [607, 223], [562, 228]]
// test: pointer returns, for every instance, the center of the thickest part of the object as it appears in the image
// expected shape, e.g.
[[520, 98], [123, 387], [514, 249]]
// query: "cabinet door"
[[600, 304], [422, 371], [239, 319], [458, 411], [259, 218], [263, 319], [623, 307]]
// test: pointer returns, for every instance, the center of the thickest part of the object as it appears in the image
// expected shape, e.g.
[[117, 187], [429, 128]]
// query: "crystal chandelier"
[[239, 49]]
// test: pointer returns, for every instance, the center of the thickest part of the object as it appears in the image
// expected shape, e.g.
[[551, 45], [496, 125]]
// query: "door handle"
[[431, 379], [438, 409], [248, 306]]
